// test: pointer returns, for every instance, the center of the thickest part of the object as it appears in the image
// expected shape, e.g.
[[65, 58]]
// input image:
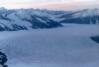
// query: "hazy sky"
[[50, 4], [41, 0]]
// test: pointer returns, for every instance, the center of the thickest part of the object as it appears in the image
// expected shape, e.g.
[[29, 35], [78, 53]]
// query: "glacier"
[[68, 46]]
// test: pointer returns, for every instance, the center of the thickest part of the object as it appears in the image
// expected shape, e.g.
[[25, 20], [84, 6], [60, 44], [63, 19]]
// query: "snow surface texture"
[[68, 46]]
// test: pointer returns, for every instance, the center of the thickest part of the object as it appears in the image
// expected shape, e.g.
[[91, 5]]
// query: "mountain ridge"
[[24, 19]]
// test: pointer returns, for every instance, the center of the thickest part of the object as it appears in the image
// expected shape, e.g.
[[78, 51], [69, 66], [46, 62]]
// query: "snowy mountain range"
[[86, 16], [75, 44], [24, 19]]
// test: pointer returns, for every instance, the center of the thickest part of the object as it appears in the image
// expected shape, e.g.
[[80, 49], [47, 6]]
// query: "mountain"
[[86, 16], [24, 19]]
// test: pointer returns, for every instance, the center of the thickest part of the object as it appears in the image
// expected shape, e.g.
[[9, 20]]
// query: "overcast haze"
[[50, 4]]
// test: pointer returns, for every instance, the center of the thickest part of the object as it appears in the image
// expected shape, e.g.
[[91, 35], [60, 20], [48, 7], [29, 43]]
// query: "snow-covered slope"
[[87, 16], [24, 19], [68, 46]]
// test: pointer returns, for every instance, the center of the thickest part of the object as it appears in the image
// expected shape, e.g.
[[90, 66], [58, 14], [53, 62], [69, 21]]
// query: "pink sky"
[[65, 5]]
